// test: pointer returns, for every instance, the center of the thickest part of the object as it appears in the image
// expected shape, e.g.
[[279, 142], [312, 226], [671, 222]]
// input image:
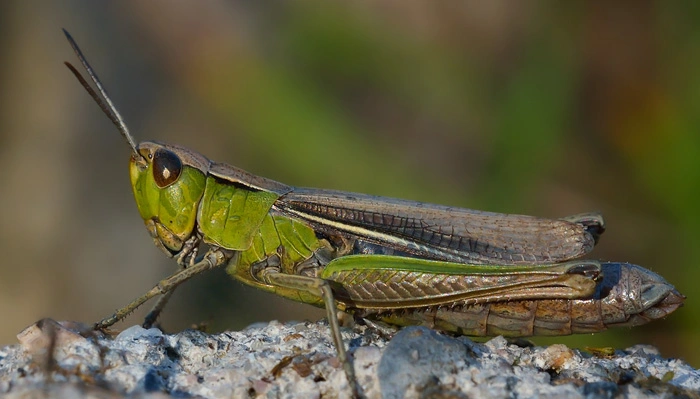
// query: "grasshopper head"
[[168, 183]]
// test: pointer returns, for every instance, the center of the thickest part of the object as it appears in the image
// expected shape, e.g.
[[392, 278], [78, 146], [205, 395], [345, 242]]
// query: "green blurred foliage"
[[535, 108]]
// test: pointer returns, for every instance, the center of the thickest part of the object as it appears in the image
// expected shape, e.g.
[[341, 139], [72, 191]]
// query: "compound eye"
[[166, 167]]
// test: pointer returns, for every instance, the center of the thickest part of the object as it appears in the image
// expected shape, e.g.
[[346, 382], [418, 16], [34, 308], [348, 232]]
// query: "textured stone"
[[298, 360]]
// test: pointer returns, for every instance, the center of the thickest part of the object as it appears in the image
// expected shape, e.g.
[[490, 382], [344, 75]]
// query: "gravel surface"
[[297, 360]]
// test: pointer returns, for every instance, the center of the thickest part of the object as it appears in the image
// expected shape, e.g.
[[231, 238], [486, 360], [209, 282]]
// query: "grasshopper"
[[401, 262]]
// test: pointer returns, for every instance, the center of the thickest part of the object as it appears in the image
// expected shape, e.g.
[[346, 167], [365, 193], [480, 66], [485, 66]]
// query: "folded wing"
[[441, 232]]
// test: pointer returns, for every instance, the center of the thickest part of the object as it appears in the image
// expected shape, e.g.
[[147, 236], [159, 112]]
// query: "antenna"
[[106, 105]]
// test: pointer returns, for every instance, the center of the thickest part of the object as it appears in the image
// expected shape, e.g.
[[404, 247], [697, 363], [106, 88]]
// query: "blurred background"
[[529, 107]]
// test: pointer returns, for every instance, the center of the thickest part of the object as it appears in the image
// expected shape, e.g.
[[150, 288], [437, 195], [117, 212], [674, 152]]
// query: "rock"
[[298, 360]]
